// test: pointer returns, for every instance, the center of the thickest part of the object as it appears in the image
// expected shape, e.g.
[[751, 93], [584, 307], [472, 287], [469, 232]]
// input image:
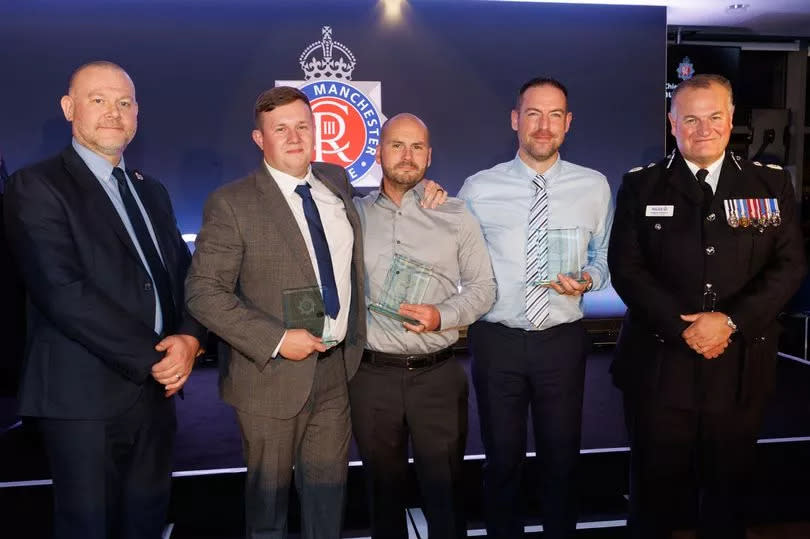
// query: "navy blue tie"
[[330, 295], [160, 277]]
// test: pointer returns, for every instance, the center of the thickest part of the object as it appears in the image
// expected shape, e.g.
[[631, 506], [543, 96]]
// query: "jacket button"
[[710, 250], [657, 226], [711, 217], [147, 286]]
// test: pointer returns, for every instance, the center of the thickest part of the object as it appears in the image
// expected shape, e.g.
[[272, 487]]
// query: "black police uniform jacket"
[[660, 266]]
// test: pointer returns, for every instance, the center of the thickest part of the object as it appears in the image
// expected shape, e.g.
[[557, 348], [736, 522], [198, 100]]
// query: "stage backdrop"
[[199, 65]]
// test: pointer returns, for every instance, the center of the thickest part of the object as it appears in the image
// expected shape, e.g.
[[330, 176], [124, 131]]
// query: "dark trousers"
[[112, 477], [316, 442], [514, 370], [687, 461], [430, 404]]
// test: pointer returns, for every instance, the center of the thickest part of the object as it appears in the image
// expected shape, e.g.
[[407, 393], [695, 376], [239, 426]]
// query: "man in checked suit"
[[108, 339], [703, 285]]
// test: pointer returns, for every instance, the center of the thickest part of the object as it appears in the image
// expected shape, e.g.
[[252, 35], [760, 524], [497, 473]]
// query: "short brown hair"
[[277, 97], [540, 81], [703, 80]]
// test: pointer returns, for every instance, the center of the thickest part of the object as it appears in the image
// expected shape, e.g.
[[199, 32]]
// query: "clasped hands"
[[708, 333], [173, 370]]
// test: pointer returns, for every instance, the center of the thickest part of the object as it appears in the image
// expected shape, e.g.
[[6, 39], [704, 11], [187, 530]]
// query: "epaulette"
[[769, 165]]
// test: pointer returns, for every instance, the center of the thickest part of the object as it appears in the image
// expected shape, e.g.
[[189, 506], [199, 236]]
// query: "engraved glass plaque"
[[563, 256], [303, 309], [406, 282]]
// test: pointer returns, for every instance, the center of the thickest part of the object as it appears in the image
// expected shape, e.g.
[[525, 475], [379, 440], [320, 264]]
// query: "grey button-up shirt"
[[449, 240]]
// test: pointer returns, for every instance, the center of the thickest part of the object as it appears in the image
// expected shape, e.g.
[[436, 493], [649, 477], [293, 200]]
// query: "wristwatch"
[[730, 323]]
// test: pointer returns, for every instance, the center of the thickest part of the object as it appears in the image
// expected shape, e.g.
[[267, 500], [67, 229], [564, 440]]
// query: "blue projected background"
[[199, 65]]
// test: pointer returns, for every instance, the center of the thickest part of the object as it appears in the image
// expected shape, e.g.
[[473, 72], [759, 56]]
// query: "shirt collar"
[[416, 193], [525, 170], [714, 168], [100, 167], [288, 183]]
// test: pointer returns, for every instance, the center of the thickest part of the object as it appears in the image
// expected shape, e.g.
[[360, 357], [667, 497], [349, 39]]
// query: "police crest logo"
[[347, 113], [686, 70]]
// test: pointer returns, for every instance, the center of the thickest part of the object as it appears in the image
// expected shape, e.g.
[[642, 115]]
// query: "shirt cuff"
[[595, 277], [275, 355], [448, 317]]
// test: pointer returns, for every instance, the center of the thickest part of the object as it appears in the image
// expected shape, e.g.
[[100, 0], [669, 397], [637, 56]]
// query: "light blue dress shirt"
[[501, 197], [102, 170]]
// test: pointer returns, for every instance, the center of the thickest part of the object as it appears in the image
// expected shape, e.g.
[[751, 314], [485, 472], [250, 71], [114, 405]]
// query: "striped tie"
[[537, 255]]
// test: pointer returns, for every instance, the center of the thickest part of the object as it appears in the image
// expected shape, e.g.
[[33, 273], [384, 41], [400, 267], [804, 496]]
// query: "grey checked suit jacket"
[[248, 251]]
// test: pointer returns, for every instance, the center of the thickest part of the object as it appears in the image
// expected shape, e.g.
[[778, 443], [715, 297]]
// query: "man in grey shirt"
[[408, 381]]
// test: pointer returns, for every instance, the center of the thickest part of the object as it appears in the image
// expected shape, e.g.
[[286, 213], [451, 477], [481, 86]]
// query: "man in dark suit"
[[260, 237], [705, 251], [108, 340]]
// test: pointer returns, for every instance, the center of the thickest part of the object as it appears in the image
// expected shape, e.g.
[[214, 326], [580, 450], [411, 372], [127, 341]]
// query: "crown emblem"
[[337, 62]]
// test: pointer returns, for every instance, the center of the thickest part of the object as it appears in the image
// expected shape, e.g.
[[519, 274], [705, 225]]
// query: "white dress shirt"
[[339, 236]]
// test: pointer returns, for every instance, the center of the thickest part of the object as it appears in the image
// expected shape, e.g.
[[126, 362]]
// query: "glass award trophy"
[[563, 256], [303, 309], [406, 282]]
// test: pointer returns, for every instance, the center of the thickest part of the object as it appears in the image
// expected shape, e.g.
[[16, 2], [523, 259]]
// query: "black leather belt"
[[407, 361], [330, 351]]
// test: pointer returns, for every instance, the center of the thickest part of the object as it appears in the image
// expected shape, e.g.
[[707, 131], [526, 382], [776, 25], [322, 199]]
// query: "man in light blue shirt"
[[530, 348]]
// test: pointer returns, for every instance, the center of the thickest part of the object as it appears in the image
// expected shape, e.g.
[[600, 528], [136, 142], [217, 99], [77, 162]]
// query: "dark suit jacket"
[[660, 266], [248, 252], [91, 335]]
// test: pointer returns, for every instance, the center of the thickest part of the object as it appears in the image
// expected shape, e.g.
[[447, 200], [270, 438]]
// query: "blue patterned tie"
[[537, 255], [330, 295]]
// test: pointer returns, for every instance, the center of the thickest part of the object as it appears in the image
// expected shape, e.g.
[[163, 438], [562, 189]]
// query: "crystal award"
[[303, 309], [406, 282]]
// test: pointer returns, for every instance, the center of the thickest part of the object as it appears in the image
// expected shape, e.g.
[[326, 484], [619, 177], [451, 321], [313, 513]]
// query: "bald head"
[[90, 66], [404, 119], [101, 105]]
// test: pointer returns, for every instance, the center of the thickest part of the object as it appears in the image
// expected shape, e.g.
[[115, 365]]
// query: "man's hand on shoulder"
[[435, 195], [428, 315], [298, 344], [173, 370]]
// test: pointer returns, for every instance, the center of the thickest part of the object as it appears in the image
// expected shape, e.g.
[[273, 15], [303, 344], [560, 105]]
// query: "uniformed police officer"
[[705, 251]]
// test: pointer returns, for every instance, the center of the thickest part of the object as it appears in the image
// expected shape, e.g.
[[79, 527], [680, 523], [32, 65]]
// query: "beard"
[[541, 150], [405, 173]]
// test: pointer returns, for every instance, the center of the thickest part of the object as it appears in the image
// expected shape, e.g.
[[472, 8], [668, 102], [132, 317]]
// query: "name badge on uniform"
[[659, 211]]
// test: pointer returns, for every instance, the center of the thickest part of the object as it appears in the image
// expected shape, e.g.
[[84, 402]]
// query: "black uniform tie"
[[708, 194], [160, 277]]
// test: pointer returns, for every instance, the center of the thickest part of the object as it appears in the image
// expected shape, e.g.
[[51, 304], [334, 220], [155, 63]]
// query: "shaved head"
[[94, 64], [402, 119]]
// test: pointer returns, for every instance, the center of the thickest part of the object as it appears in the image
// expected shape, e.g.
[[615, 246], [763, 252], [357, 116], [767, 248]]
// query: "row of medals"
[[754, 212]]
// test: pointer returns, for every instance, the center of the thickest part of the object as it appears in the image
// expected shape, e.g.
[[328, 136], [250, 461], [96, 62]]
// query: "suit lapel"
[[682, 179], [279, 212], [96, 198], [729, 179]]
